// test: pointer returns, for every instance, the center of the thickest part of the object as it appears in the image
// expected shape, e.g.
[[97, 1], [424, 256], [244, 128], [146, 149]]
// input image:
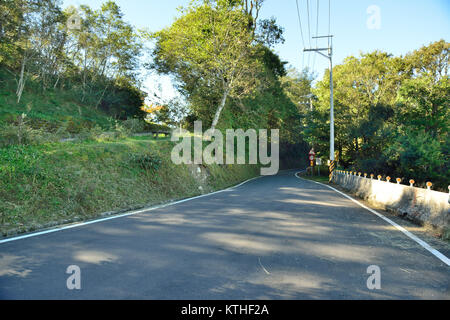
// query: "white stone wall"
[[424, 205]]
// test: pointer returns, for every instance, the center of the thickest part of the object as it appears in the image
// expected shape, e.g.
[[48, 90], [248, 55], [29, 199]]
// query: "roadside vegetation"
[[56, 183], [321, 179], [71, 104], [392, 115], [319, 174]]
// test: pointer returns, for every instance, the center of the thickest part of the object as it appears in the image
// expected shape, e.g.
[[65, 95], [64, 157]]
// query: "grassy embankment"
[[45, 182], [57, 183]]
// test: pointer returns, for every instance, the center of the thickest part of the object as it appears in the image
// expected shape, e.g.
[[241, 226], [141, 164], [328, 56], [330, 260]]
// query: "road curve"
[[276, 237]]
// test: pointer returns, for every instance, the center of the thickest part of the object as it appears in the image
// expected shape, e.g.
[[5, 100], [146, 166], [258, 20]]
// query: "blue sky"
[[405, 25]]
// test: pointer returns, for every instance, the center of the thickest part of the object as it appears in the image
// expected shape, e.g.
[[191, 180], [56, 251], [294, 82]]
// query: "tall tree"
[[362, 87], [104, 48], [386, 108], [212, 47], [31, 35], [11, 24]]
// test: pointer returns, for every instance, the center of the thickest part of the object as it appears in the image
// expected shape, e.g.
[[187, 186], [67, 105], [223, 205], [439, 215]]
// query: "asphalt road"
[[276, 237]]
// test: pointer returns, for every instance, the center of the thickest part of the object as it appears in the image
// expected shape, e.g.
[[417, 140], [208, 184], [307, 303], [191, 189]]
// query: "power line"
[[317, 33], [300, 23], [309, 35], [317, 22], [329, 20], [309, 29], [303, 39]]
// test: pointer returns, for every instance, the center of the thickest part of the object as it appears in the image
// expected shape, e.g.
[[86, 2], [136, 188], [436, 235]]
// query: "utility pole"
[[329, 56]]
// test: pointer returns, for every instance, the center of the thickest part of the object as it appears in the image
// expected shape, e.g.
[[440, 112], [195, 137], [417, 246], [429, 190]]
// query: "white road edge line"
[[422, 243], [29, 235]]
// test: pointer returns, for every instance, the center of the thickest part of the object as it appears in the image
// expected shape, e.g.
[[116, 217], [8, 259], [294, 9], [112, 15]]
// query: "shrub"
[[147, 161], [9, 135], [121, 131], [133, 125], [74, 127], [19, 160], [90, 133], [21, 133], [151, 126]]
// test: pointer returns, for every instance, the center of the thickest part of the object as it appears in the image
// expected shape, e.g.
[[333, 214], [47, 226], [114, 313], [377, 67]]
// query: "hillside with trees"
[[60, 79], [78, 72], [61, 75]]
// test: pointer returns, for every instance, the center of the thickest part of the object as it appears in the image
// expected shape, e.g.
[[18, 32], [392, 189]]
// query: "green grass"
[[322, 179], [46, 183], [63, 182], [46, 109]]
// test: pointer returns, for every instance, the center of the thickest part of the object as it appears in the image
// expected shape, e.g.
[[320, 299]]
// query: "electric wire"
[[317, 33], [309, 35], [301, 33]]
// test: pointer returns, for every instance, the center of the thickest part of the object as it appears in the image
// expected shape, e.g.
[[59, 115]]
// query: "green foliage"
[[91, 133], [62, 182], [134, 125], [22, 133], [391, 114], [94, 67], [19, 160], [226, 69], [420, 156], [11, 19], [147, 161], [297, 87], [213, 53], [425, 105], [152, 127]]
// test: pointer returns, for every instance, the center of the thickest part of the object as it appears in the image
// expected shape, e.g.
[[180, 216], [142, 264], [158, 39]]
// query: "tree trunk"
[[84, 77], [219, 109], [21, 83], [101, 97], [57, 80]]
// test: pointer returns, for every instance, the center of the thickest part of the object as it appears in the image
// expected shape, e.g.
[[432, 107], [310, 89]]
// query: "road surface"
[[276, 237]]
